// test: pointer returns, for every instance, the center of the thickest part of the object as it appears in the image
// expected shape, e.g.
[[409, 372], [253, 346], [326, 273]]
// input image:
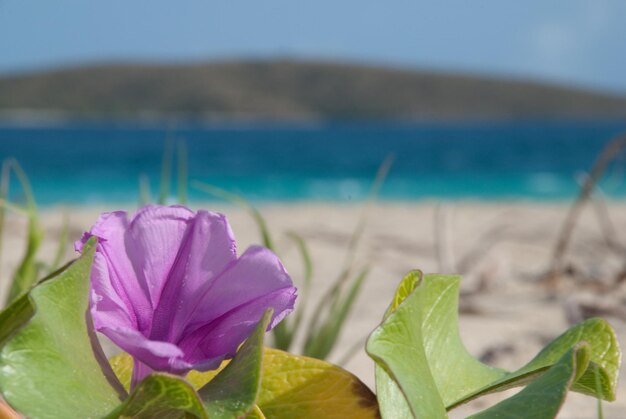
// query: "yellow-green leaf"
[[292, 386], [301, 387], [122, 365], [406, 287]]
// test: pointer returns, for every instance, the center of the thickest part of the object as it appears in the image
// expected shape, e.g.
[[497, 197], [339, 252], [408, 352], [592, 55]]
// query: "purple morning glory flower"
[[167, 287]]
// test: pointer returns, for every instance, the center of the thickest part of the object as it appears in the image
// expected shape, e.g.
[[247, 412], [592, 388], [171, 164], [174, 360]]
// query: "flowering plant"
[[168, 288]]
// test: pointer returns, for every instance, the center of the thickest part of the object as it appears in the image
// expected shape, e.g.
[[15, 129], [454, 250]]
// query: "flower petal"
[[114, 266], [256, 273], [208, 345], [153, 242], [161, 356], [207, 249], [106, 305]]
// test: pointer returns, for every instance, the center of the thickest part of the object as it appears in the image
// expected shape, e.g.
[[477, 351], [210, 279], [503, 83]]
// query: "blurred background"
[[285, 101], [498, 123]]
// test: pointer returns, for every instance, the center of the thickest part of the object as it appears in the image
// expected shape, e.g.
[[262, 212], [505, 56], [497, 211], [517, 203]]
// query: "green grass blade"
[[330, 298], [282, 335], [353, 350], [320, 344], [25, 184], [341, 311], [182, 177], [285, 331], [307, 277], [324, 306], [63, 242], [166, 172], [381, 175], [145, 195], [28, 269]]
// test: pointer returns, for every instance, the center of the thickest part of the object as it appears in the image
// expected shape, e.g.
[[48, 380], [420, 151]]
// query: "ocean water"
[[87, 163]]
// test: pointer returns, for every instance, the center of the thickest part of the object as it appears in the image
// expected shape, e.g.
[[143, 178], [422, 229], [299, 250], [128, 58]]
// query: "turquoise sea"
[[93, 162]]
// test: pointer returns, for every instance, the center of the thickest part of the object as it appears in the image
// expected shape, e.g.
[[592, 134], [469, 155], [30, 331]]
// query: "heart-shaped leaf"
[[423, 369], [47, 363], [293, 386], [302, 387], [598, 379], [391, 401], [161, 396]]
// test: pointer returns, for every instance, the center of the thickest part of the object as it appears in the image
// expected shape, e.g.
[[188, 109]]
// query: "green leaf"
[[392, 402], [424, 369], [543, 397], [161, 395], [398, 348], [406, 287], [301, 387], [605, 357], [599, 379], [292, 386], [234, 391], [47, 362]]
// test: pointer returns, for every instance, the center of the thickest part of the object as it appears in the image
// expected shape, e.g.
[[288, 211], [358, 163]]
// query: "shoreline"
[[561, 202]]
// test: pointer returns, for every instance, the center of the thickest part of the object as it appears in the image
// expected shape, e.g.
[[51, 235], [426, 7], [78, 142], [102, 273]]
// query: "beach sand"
[[500, 248]]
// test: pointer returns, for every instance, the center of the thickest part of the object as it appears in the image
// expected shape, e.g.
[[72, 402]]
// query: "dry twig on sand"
[[558, 266]]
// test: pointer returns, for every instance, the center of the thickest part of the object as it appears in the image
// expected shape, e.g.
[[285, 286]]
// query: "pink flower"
[[167, 287]]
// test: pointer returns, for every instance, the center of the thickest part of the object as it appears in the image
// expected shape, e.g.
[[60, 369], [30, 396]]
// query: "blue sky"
[[569, 41]]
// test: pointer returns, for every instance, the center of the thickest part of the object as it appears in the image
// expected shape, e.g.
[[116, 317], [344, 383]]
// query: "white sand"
[[502, 248]]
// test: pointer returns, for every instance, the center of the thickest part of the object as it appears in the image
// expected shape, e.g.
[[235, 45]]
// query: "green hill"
[[293, 89]]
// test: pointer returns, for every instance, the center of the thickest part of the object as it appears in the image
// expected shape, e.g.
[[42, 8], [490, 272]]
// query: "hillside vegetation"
[[291, 89]]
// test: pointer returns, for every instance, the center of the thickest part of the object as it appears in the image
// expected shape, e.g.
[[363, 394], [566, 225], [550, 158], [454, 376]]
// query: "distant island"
[[284, 89]]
